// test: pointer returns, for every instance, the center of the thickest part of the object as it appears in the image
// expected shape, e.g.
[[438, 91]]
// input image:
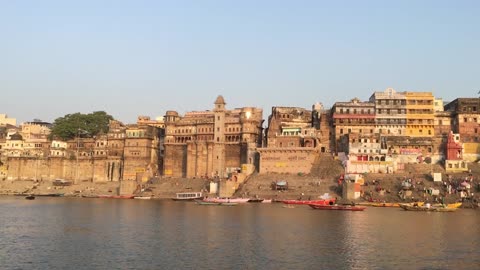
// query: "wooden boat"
[[226, 200], [202, 202], [30, 197], [188, 196], [228, 204], [337, 207], [89, 196], [50, 195], [116, 196], [142, 197], [450, 205], [426, 208], [386, 204], [307, 202], [255, 200]]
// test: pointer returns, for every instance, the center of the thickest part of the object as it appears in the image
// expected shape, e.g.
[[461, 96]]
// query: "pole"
[[76, 167]]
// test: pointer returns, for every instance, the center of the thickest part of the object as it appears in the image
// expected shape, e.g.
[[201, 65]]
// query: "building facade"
[[211, 143]]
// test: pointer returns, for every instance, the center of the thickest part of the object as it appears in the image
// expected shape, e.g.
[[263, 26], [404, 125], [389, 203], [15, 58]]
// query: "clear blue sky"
[[133, 58]]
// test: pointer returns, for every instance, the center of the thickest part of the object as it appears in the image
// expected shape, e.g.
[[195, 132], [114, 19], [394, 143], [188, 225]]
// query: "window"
[[341, 131]]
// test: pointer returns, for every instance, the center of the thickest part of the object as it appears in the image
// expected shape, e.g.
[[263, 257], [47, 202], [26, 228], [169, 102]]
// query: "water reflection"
[[60, 233]]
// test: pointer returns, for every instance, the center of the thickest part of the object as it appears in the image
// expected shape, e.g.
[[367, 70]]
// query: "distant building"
[[5, 120]]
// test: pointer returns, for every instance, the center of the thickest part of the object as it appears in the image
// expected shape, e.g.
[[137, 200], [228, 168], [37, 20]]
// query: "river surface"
[[75, 233]]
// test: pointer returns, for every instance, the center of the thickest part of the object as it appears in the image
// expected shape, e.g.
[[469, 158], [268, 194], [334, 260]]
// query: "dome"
[[172, 113], [219, 100], [16, 137]]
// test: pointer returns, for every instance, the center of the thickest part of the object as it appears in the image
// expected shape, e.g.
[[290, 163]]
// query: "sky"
[[132, 58]]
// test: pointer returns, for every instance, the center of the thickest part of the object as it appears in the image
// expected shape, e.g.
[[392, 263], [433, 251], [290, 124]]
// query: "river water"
[[75, 233]]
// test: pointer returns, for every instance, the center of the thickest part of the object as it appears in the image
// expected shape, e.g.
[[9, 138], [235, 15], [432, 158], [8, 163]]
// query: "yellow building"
[[420, 114]]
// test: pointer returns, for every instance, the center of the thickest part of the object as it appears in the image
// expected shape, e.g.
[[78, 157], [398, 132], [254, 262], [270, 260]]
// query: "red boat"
[[316, 202], [116, 196], [338, 207]]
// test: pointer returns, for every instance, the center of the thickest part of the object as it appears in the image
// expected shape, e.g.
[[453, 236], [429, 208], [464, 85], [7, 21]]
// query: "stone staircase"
[[322, 179], [168, 187]]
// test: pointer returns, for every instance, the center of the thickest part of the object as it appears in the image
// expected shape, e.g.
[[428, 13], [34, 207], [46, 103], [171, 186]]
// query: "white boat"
[[227, 200], [188, 196], [142, 197]]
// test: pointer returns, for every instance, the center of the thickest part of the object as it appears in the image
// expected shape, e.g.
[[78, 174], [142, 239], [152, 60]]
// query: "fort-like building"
[[211, 143]]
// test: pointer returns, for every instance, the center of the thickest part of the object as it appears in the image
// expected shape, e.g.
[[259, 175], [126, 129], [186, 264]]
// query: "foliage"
[[83, 125]]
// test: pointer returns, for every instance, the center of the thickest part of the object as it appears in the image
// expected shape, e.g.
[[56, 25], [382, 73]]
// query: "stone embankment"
[[322, 179]]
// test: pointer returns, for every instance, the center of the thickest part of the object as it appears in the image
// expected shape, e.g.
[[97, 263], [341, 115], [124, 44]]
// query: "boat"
[[449, 205], [50, 195], [89, 196], [228, 204], [202, 202], [188, 196], [306, 202], [427, 208], [227, 200], [337, 207], [267, 201], [255, 200], [116, 196], [30, 197], [385, 204], [142, 197]]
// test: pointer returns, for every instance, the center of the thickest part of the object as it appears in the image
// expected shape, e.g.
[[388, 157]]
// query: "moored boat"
[[337, 207], [116, 196], [202, 202], [188, 196], [142, 197], [227, 200], [449, 205], [30, 197], [427, 208], [229, 204], [255, 200], [307, 202]]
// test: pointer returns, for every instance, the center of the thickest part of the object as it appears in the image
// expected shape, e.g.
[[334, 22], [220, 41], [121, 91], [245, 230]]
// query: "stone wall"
[[286, 160], [23, 168]]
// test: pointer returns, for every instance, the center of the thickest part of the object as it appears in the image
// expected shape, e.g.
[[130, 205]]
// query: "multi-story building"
[[390, 112], [141, 157], [211, 143], [352, 117], [420, 114], [466, 118], [290, 127]]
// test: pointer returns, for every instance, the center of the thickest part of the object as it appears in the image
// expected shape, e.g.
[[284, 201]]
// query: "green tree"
[[78, 124]]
